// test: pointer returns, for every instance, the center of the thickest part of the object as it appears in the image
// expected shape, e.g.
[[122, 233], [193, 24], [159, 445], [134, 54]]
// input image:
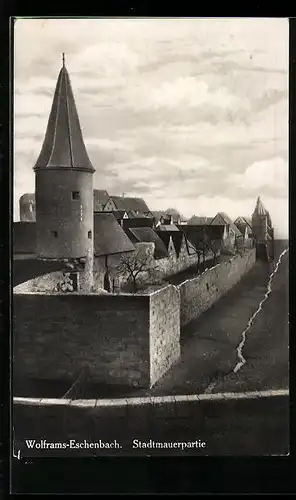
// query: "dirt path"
[[267, 344], [209, 344]]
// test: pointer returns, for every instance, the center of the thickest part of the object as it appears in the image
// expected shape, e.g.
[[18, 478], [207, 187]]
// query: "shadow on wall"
[[31, 269], [60, 336], [200, 293]]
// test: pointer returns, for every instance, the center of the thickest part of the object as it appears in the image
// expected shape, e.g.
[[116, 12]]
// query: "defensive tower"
[[64, 185]]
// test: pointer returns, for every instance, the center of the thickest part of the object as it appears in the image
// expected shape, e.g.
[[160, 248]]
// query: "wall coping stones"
[[151, 400], [187, 398], [199, 275], [87, 294], [30, 401], [90, 403], [111, 402], [228, 261], [60, 401]]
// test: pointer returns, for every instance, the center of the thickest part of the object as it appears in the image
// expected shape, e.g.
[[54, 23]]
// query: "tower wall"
[[64, 213], [259, 227], [27, 208]]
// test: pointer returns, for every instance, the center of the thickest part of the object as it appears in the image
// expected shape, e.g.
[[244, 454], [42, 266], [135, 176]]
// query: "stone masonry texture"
[[164, 331], [114, 339], [60, 336], [200, 293]]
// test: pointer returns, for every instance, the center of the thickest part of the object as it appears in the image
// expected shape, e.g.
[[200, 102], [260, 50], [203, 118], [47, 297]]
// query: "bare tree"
[[198, 245], [107, 277], [173, 211], [239, 245], [132, 266], [203, 243], [214, 247]]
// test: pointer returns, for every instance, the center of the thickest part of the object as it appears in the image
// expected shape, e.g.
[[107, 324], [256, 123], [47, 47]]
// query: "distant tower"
[[259, 222], [64, 186], [27, 208], [263, 231]]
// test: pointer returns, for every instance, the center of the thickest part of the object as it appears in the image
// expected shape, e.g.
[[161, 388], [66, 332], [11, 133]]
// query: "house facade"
[[245, 226], [232, 237]]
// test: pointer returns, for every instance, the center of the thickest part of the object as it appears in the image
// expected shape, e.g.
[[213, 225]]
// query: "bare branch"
[[131, 266]]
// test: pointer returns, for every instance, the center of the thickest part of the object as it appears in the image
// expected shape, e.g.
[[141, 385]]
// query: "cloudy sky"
[[186, 113]]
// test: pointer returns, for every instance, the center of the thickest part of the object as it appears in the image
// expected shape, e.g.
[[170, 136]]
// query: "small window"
[[89, 235], [54, 234], [75, 195]]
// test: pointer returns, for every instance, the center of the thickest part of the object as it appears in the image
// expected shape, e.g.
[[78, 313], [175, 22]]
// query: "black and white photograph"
[[150, 237]]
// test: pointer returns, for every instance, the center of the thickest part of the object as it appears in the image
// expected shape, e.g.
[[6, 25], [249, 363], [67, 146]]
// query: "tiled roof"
[[130, 204], [196, 235], [228, 222], [259, 208], [158, 214], [63, 144], [137, 222], [27, 198], [101, 197], [196, 220], [147, 235], [109, 237], [136, 214], [243, 224], [226, 217], [168, 228], [243, 220], [118, 214], [177, 237]]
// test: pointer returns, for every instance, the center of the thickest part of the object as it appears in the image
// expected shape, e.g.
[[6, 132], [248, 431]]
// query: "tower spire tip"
[[63, 58]]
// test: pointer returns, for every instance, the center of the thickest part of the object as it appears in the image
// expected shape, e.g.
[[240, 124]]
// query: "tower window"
[[54, 234], [75, 195], [89, 235]]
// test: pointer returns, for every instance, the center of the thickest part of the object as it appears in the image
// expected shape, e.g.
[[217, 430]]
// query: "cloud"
[[165, 171], [110, 59], [33, 104], [33, 125], [105, 143], [26, 145], [183, 91], [272, 174], [36, 84], [176, 110]]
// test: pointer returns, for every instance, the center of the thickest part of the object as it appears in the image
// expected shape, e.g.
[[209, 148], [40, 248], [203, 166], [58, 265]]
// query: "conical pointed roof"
[[259, 208], [63, 145]]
